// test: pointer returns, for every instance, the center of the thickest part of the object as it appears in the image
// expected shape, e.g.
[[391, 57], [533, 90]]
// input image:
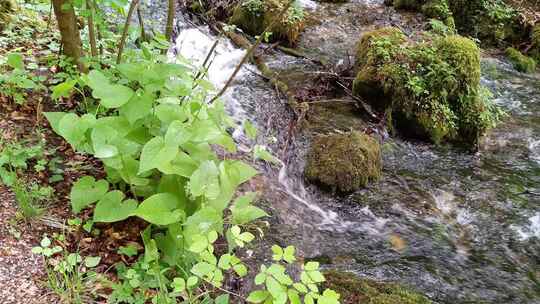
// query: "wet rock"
[[253, 16], [430, 90], [355, 291], [520, 62], [344, 162]]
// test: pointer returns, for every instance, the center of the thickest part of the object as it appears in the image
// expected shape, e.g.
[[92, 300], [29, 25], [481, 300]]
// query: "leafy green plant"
[[15, 156], [155, 138], [16, 81], [31, 197], [69, 274]]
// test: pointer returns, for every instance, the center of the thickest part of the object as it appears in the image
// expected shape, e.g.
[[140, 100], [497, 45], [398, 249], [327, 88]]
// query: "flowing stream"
[[459, 227]]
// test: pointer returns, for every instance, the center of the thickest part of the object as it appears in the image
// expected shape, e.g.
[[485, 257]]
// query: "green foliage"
[[69, 275], [16, 156], [31, 197], [253, 16], [521, 62], [278, 287], [432, 87], [15, 80], [344, 162], [155, 137]]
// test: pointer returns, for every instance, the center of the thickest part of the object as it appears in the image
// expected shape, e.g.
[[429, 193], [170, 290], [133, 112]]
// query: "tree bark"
[[170, 20], [91, 29], [69, 31]]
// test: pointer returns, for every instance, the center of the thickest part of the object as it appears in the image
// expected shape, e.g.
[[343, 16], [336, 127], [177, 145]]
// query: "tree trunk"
[[91, 29], [170, 20], [69, 31]]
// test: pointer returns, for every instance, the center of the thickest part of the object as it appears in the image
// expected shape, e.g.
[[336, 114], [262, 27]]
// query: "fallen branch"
[[251, 50]]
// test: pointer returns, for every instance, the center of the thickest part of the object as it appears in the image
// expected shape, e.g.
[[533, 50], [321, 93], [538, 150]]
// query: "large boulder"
[[344, 162], [253, 16], [430, 90]]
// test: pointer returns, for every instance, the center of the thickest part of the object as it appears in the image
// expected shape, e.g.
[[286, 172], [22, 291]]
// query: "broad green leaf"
[[278, 292], [156, 153], [289, 254], [54, 120], [111, 95], [178, 284], [202, 269], [168, 113], [242, 212], [329, 297], [293, 296], [91, 262], [130, 250], [87, 191], [177, 134], [63, 89], [258, 296], [129, 172], [15, 60], [222, 299], [110, 208], [202, 222], [73, 129], [240, 269], [192, 281], [160, 209], [151, 252], [278, 253], [102, 136], [138, 107], [204, 181]]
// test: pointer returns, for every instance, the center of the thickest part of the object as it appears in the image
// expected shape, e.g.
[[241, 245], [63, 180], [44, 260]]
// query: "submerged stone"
[[344, 162], [432, 89], [520, 62], [357, 291], [254, 16]]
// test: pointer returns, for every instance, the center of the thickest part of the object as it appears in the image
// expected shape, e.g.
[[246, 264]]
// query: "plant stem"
[[122, 41], [91, 29]]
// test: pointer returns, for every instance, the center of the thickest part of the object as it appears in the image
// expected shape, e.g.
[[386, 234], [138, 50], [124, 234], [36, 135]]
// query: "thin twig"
[[122, 42], [251, 50]]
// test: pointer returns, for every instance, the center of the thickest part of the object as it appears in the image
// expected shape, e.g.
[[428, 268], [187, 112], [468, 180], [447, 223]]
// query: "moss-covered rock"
[[520, 62], [344, 162], [535, 40], [7, 9], [432, 88], [357, 291], [253, 16]]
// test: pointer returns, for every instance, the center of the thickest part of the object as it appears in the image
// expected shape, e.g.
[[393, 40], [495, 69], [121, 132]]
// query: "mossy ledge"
[[357, 291], [431, 88], [521, 62], [344, 162], [253, 16]]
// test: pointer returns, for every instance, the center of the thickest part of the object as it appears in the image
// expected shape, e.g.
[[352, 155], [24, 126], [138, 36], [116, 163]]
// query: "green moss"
[[7, 9], [358, 291], [432, 88], [344, 162], [521, 62], [437, 9], [253, 16]]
